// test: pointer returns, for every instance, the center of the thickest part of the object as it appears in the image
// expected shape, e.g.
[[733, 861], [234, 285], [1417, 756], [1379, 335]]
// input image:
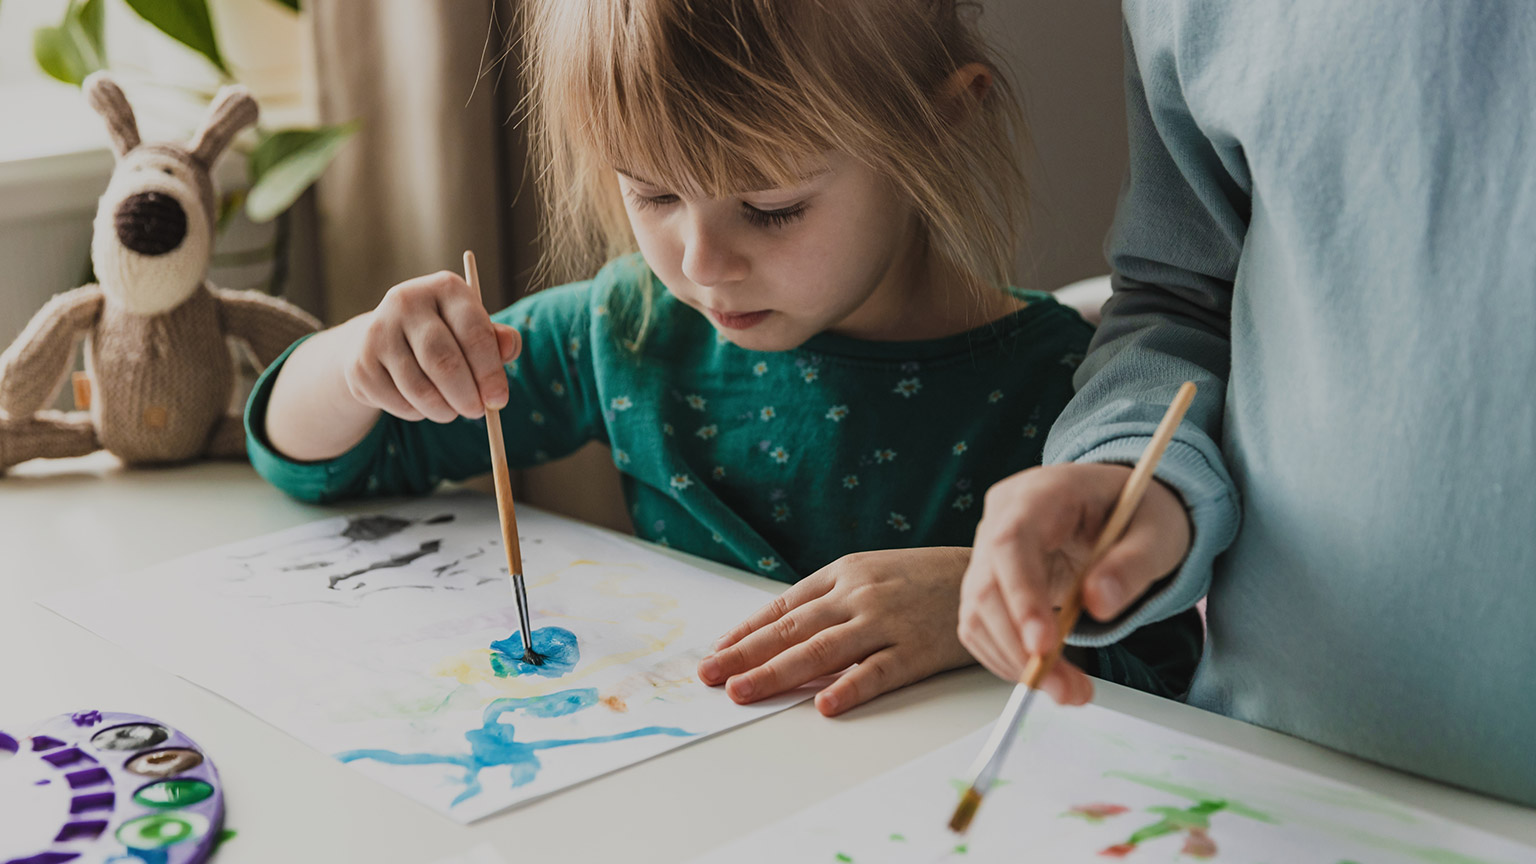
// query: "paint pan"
[[95, 786]]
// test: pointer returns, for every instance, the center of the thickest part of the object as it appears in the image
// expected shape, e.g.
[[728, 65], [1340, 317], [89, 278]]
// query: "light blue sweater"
[[1330, 226]]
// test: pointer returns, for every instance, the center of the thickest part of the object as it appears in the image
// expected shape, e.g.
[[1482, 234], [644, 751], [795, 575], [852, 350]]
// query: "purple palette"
[[95, 787]]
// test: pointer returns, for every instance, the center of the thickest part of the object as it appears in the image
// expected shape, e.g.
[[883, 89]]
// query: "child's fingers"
[[881, 672], [439, 356], [509, 343], [1002, 636], [1067, 685], [371, 384], [800, 593], [481, 346], [412, 383], [771, 640], [1153, 545], [826, 652]]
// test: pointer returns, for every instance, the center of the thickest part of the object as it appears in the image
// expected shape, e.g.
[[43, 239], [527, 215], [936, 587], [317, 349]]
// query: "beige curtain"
[[437, 167]]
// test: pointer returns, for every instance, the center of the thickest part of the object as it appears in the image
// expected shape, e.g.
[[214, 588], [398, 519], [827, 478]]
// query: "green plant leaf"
[[186, 21], [72, 50], [285, 163]]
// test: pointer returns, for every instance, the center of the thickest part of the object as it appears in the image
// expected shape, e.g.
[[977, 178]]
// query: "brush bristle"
[[965, 811]]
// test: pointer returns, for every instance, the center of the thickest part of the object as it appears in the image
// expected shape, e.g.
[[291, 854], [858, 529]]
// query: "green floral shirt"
[[777, 463]]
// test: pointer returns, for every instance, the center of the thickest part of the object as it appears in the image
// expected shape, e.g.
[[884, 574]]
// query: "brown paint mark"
[[616, 704]]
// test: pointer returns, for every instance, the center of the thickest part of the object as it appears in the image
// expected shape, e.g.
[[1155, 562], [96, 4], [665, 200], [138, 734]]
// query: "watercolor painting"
[[390, 640], [1091, 785]]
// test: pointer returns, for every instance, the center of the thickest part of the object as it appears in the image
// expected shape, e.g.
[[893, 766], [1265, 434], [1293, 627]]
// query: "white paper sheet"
[[369, 638], [1091, 785]]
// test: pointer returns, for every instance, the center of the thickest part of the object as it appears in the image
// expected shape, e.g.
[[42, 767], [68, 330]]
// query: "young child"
[[811, 369]]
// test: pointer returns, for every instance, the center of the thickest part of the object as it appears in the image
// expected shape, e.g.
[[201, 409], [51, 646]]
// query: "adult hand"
[[1037, 530], [892, 612]]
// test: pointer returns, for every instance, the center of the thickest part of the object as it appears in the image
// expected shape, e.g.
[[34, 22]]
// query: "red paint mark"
[[1098, 811], [1199, 844], [616, 704], [1119, 850]]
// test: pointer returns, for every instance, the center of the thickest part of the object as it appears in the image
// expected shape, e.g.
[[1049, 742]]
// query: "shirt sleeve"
[[551, 411], [1174, 250]]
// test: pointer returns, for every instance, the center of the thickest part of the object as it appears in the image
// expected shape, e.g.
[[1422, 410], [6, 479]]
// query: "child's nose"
[[709, 259], [150, 223]]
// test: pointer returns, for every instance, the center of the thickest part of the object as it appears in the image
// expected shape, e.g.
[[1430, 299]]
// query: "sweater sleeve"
[[1174, 249], [551, 411]]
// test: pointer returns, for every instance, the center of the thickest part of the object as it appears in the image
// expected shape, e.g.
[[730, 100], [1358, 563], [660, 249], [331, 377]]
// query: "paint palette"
[[105, 787]]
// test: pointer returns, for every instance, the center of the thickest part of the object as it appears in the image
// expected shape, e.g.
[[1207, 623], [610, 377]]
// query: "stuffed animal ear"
[[103, 94], [233, 109]]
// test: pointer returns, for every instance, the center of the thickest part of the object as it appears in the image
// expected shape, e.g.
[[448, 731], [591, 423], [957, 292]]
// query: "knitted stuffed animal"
[[155, 329]]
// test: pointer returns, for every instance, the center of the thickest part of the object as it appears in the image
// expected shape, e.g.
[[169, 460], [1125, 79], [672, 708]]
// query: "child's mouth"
[[739, 320]]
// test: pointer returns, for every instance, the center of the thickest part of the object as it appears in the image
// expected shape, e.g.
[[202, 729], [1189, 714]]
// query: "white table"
[[70, 522]]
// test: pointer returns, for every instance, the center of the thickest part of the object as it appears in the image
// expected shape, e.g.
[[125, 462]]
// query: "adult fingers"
[[771, 640], [829, 651]]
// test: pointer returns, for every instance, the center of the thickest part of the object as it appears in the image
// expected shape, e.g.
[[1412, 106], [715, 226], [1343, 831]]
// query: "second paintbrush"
[[502, 477]]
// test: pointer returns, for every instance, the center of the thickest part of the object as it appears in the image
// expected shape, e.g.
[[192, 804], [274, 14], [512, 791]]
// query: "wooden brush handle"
[[499, 471]]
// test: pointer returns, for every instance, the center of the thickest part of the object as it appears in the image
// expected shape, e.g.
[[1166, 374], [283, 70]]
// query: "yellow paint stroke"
[[473, 666]]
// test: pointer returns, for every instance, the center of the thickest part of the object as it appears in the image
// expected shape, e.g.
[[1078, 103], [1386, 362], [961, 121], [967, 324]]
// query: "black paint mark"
[[428, 548], [439, 520], [437, 572], [374, 527]]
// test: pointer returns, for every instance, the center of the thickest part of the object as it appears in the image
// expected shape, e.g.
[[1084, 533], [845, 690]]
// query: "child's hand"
[[1036, 531], [892, 612], [431, 351]]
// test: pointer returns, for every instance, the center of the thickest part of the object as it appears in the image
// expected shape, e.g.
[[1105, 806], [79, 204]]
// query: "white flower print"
[[537, 417], [884, 456], [718, 473], [781, 513], [1030, 430], [716, 537], [1071, 361], [760, 369], [599, 311], [850, 481], [695, 401], [666, 428], [557, 388], [964, 502], [779, 454], [958, 448], [708, 432], [767, 413], [907, 387], [837, 412], [809, 374], [899, 522], [681, 481], [995, 396], [621, 403], [620, 457], [573, 347], [767, 564]]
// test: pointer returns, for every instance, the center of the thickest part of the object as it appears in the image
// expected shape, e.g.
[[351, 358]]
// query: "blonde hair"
[[715, 97]]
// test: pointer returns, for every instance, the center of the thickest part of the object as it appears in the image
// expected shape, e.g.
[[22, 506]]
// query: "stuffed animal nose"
[[151, 223]]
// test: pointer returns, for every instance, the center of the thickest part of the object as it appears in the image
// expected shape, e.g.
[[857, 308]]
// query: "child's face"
[[771, 268]]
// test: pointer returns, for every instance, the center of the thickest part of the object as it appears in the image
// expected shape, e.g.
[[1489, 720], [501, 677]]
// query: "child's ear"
[[963, 91], [103, 95], [233, 109]]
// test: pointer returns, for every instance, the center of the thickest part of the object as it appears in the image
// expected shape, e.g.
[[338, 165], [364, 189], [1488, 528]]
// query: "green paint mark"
[[1193, 794], [845, 858], [898, 838], [962, 786], [173, 793], [961, 849], [225, 836]]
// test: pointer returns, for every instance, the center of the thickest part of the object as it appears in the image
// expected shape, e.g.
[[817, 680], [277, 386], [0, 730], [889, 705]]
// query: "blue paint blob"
[[495, 743], [556, 645]]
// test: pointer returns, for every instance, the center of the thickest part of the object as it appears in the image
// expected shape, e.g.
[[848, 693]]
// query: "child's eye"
[[773, 218], [643, 202]]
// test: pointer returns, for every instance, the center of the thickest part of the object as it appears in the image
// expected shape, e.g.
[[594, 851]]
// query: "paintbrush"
[[995, 751], [504, 506]]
